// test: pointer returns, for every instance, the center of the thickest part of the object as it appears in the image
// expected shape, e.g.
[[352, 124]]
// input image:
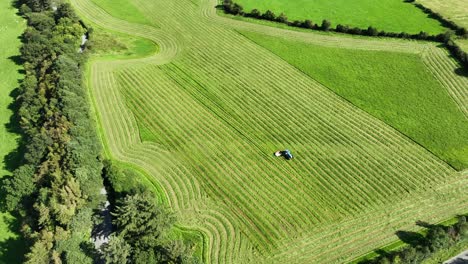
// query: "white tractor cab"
[[284, 153]]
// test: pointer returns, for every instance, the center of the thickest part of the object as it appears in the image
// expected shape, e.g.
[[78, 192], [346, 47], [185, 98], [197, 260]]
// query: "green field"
[[394, 87], [388, 15], [202, 118], [125, 10], [11, 27]]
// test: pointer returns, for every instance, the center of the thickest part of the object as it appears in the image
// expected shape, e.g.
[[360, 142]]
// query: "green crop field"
[[388, 15], [202, 117], [11, 27]]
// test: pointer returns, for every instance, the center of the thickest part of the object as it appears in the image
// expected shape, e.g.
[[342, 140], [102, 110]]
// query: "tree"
[[39, 5], [282, 18], [422, 35], [372, 31], [325, 25], [65, 10], [255, 13], [41, 22], [237, 9], [437, 238], [117, 251], [140, 220], [269, 15], [19, 187], [24, 9], [227, 6], [308, 24], [462, 227]]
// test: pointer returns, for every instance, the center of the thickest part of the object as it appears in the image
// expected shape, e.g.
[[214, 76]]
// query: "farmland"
[[203, 116], [388, 15], [11, 27], [410, 99]]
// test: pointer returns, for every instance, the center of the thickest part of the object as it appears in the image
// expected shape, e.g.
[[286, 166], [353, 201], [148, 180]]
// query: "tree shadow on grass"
[[462, 72], [12, 249], [16, 59], [14, 159], [411, 238]]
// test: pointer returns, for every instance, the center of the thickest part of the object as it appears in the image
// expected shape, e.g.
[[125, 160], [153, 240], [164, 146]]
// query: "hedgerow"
[[438, 238], [233, 8], [57, 186]]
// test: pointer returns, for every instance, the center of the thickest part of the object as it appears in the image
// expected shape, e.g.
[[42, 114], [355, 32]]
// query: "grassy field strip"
[[212, 154], [120, 116], [440, 63], [117, 116]]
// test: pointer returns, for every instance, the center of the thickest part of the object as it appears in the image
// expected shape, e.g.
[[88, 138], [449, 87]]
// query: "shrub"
[[255, 13], [282, 18], [269, 15], [325, 25]]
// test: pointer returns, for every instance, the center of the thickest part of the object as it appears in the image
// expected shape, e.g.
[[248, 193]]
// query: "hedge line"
[[56, 188], [437, 238]]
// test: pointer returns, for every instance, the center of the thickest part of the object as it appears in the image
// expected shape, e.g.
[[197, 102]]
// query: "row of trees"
[[56, 187], [437, 238], [235, 9], [141, 225]]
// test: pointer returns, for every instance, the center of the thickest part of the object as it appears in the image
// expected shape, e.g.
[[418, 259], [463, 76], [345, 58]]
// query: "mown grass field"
[[394, 87], [203, 117], [455, 10], [388, 15], [11, 27]]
